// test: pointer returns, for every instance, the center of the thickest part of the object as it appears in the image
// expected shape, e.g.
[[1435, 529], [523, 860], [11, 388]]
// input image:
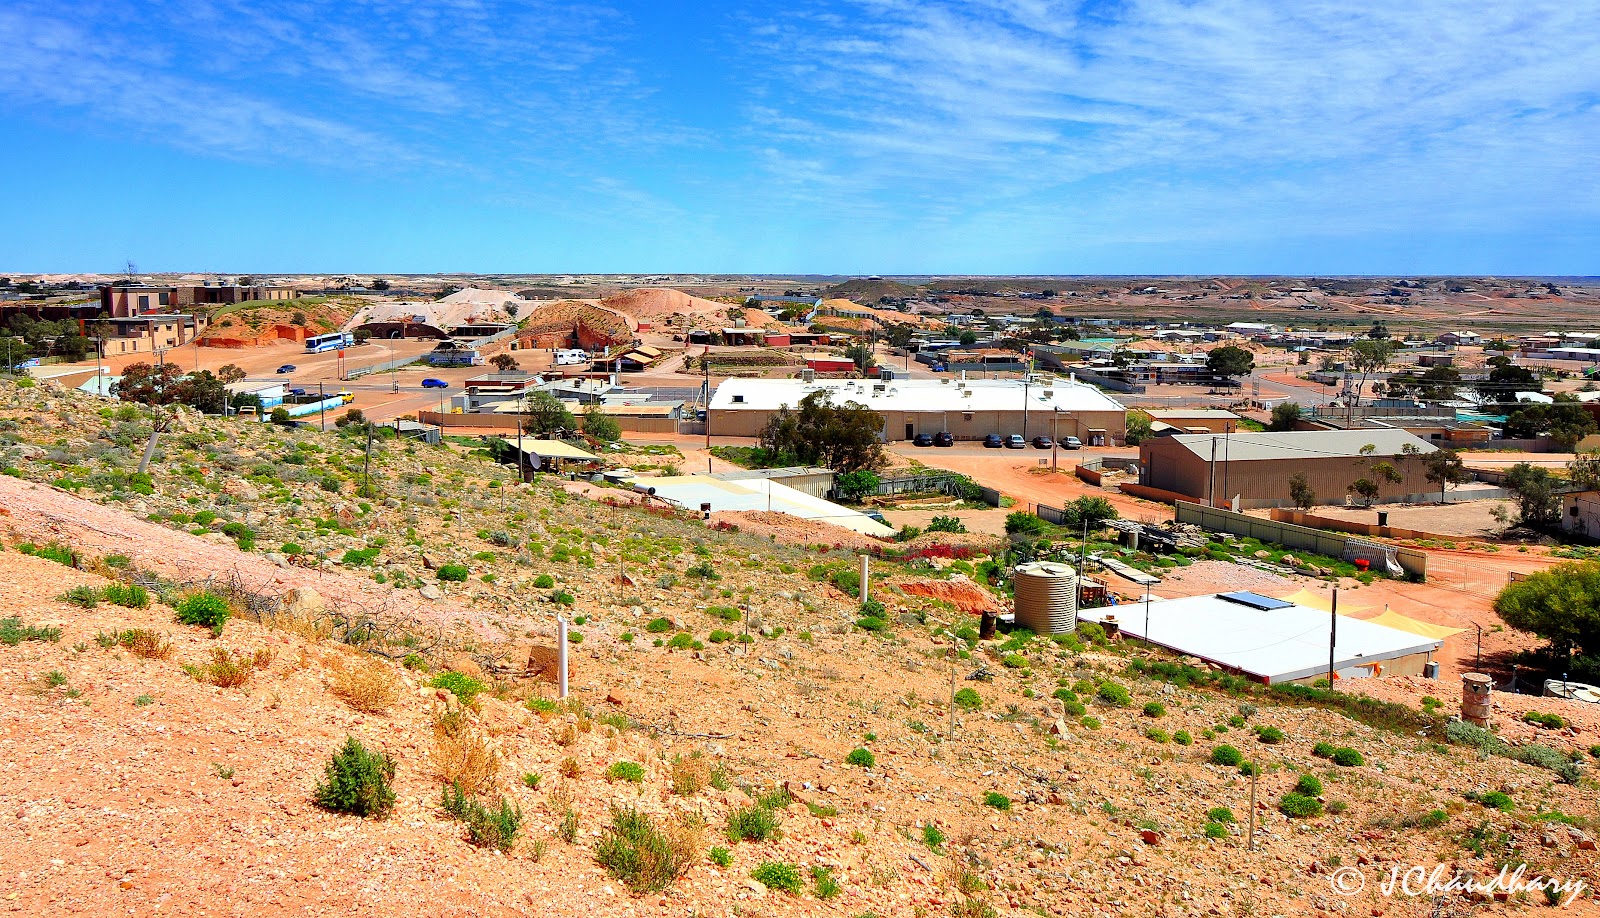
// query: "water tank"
[[1047, 597]]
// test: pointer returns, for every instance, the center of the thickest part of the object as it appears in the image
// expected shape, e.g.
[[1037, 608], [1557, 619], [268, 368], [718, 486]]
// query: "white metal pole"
[[561, 653], [865, 571]]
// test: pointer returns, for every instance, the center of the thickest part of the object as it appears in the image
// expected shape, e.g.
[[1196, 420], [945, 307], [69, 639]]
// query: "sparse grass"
[[367, 686], [228, 669], [356, 781], [631, 772], [997, 800], [932, 836], [823, 883], [643, 856], [127, 595], [752, 823], [690, 774], [86, 597]]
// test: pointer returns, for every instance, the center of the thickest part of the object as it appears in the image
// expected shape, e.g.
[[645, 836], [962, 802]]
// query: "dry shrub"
[[559, 800], [226, 669], [142, 642], [690, 774], [313, 630], [263, 658], [567, 736], [367, 686], [570, 767], [462, 755]]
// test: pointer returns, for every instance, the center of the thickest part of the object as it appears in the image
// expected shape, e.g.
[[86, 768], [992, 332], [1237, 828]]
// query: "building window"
[[144, 302], [163, 299]]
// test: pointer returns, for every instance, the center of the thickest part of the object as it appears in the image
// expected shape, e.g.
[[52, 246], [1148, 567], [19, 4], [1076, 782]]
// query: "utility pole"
[[1253, 809], [1055, 429], [1146, 634], [1333, 634], [322, 400], [1227, 437], [1211, 473]]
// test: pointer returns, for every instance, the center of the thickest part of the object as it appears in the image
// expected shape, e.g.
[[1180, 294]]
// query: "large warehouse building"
[[1256, 468], [970, 409]]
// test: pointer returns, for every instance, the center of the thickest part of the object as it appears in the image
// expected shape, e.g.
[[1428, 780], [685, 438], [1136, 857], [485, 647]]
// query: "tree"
[[230, 373], [1230, 360], [855, 485], [380, 284], [1138, 427], [862, 356], [545, 415], [1090, 511], [157, 387], [1284, 416], [601, 426], [1584, 472], [1445, 469], [1300, 491], [968, 338], [1565, 420], [1370, 356], [505, 363], [1538, 503], [844, 438], [1379, 331], [1505, 380], [1561, 605]]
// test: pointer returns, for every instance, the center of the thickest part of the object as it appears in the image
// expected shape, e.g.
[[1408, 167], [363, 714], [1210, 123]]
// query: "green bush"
[[1093, 723], [1182, 738], [683, 640], [1549, 721], [659, 625], [726, 613], [1432, 819], [721, 856], [1064, 694], [719, 636], [752, 823], [639, 854], [1270, 735], [1323, 750], [861, 757], [997, 800], [1310, 785], [129, 595], [356, 781], [1226, 756], [543, 582], [932, 836], [1498, 800], [1014, 661], [823, 883], [1154, 709], [1347, 757], [778, 875], [14, 632], [967, 699], [946, 524], [205, 609], [487, 827], [1299, 806], [1020, 521], [463, 686], [871, 624], [632, 772], [1074, 708], [85, 596], [1156, 734], [1220, 814], [1216, 830], [1545, 757], [453, 573], [1112, 693]]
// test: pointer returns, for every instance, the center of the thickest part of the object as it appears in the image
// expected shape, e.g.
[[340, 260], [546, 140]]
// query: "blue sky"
[[816, 136]]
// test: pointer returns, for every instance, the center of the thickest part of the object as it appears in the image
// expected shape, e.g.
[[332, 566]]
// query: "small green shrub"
[[1270, 735], [632, 772], [659, 625], [967, 699], [14, 632], [1226, 756], [683, 640], [1498, 800], [1296, 805], [1156, 734], [1182, 738], [544, 582], [641, 855], [1220, 814], [453, 573], [356, 781], [1323, 750], [205, 609], [487, 827], [1347, 757], [1432, 819], [1092, 723], [1154, 709], [823, 883], [1114, 694], [778, 875], [720, 856], [997, 800], [932, 836], [1310, 785], [463, 686], [1216, 830], [127, 595], [84, 596], [752, 823], [861, 757]]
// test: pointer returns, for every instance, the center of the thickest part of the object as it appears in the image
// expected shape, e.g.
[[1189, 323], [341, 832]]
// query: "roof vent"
[[738, 399]]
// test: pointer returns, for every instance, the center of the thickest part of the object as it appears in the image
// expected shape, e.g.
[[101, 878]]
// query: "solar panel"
[[1255, 600]]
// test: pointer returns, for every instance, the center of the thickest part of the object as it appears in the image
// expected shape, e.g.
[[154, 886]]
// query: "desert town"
[[760, 595]]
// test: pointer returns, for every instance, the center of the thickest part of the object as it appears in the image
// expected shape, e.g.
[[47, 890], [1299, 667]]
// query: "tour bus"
[[571, 357], [331, 342]]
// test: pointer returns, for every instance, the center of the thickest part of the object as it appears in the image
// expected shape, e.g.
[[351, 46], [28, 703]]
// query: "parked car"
[[431, 383], [993, 441], [937, 368], [944, 438], [873, 514], [1015, 441], [286, 368], [1071, 443], [1042, 442], [346, 396], [297, 391], [922, 439]]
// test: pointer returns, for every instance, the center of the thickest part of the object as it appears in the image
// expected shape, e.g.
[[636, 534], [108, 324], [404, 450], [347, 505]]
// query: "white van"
[[571, 358]]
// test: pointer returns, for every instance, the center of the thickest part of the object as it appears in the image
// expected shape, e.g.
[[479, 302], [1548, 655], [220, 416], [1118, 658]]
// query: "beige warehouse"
[[968, 409], [1257, 467]]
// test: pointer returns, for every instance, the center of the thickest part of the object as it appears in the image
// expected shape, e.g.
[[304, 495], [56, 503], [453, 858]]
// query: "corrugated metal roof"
[[1169, 414], [1277, 645], [949, 394], [554, 449], [1303, 444]]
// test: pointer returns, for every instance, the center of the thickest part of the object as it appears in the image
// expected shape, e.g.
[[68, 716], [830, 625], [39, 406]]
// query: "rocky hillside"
[[742, 738]]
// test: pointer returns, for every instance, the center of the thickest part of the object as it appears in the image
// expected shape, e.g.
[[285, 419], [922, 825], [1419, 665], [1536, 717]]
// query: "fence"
[[395, 364], [1303, 538], [953, 485], [508, 422]]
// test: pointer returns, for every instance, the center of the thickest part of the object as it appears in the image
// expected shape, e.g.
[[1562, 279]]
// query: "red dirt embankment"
[[958, 591]]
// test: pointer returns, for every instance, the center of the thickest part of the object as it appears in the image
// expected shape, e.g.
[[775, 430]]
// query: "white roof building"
[[919, 395]]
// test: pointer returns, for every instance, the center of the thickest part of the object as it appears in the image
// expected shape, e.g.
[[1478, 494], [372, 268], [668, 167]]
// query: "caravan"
[[568, 358]]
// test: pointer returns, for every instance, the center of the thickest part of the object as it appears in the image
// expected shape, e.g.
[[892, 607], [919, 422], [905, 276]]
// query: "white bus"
[[331, 342]]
